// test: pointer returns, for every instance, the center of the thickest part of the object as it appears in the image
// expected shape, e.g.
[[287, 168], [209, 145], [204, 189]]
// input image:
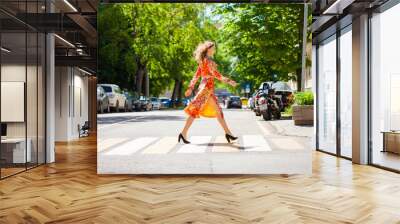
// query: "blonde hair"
[[201, 51]]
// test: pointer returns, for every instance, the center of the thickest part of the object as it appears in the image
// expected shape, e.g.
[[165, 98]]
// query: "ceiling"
[[74, 22]]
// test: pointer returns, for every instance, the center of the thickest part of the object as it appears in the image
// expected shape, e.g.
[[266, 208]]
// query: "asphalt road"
[[168, 123]]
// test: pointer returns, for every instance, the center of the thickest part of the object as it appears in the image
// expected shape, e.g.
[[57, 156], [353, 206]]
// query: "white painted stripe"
[[129, 148], [255, 143], [101, 126], [163, 146], [221, 145], [286, 143], [198, 144], [263, 129], [108, 143]]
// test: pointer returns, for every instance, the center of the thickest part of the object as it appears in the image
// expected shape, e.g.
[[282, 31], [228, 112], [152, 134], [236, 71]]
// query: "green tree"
[[264, 40], [156, 42]]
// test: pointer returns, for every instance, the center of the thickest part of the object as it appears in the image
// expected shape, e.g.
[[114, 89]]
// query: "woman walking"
[[205, 102]]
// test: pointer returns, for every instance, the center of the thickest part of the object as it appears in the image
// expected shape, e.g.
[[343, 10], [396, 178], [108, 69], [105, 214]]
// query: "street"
[[168, 123], [130, 136]]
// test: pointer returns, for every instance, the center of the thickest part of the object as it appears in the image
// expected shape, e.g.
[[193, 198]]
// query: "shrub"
[[304, 98], [288, 111]]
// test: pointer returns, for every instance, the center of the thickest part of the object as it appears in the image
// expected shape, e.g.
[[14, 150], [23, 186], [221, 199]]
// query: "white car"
[[156, 103], [117, 100]]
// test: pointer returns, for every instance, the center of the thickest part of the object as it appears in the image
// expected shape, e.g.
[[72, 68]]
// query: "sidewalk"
[[287, 128]]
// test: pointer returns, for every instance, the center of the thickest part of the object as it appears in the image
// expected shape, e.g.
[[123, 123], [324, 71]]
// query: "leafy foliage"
[[254, 42], [263, 40], [304, 98]]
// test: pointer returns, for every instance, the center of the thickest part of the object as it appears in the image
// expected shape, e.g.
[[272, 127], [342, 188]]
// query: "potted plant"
[[303, 108]]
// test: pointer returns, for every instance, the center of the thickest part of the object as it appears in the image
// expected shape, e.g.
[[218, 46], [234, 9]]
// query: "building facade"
[[357, 79]]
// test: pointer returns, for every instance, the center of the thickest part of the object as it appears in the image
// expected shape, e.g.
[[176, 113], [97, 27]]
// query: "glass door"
[[327, 95], [346, 94], [385, 89]]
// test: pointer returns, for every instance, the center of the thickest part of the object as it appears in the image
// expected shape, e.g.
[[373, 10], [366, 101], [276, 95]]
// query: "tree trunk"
[[139, 79], [174, 92], [180, 92], [298, 79], [147, 81]]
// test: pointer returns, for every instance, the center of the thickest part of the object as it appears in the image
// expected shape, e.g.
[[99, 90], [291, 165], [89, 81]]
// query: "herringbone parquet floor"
[[70, 191]]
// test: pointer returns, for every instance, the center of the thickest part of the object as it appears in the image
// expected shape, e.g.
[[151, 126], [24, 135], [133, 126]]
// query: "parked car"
[[233, 102], [145, 103], [136, 104], [156, 103], [102, 101], [185, 101], [117, 100], [130, 99], [165, 102]]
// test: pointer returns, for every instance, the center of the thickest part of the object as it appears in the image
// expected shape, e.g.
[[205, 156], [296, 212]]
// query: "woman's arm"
[[193, 82], [195, 78], [213, 69]]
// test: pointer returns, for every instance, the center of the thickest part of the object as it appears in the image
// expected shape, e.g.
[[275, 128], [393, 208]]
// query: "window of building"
[[22, 101], [346, 92], [385, 89], [327, 95]]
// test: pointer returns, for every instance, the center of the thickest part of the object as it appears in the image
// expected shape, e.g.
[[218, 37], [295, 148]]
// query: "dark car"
[[155, 103], [130, 100], [145, 103], [185, 101], [165, 102], [233, 102]]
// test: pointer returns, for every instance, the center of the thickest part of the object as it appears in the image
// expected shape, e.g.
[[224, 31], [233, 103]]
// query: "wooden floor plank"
[[70, 191]]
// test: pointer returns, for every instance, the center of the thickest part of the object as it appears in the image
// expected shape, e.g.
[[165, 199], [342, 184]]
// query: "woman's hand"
[[188, 92]]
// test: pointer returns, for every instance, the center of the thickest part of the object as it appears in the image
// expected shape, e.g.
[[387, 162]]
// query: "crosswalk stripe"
[[255, 143], [198, 144], [286, 143], [263, 129], [162, 146], [108, 143], [220, 145], [129, 148]]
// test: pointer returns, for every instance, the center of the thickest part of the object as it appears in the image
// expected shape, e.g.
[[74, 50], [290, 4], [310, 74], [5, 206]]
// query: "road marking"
[[255, 143], [119, 122], [163, 146], [129, 148], [198, 144], [221, 145], [263, 129], [108, 143], [286, 143]]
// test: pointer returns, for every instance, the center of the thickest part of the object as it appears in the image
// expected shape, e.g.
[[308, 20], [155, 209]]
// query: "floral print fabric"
[[205, 102]]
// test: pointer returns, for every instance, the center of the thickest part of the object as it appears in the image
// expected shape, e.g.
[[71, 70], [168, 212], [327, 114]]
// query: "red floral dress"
[[205, 102]]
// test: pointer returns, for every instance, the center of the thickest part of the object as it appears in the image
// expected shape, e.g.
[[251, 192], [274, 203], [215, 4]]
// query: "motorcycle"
[[270, 105], [256, 102]]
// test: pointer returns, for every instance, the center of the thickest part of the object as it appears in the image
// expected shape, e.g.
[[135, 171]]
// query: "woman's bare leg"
[[221, 120], [189, 122]]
